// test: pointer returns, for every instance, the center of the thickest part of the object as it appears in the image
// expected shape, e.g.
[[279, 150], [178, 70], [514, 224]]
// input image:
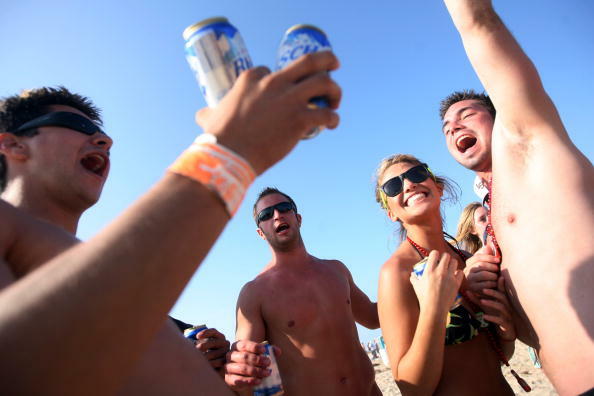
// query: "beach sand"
[[520, 362]]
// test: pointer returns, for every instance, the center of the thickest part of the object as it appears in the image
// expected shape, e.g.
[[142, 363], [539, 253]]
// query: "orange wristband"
[[223, 171]]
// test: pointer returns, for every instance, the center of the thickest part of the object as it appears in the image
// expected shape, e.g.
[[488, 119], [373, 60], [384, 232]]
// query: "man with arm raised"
[[541, 195]]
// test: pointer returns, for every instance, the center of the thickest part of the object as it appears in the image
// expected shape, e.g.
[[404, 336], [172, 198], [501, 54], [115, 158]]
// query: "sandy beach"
[[520, 362]]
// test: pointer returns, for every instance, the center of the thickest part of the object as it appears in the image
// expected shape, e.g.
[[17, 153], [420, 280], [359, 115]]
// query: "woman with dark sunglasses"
[[438, 340]]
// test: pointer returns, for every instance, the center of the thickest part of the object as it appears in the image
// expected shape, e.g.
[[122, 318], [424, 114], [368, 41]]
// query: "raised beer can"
[[271, 385], [190, 332], [300, 40], [217, 55]]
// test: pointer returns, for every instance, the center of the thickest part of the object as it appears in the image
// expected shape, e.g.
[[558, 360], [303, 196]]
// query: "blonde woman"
[[437, 340], [471, 227]]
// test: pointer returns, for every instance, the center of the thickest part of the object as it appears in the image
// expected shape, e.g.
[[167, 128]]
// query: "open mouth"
[[95, 163], [414, 198], [281, 228], [465, 142]]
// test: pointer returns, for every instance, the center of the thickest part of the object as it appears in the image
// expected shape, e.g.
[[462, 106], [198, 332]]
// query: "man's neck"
[[293, 257], [42, 208]]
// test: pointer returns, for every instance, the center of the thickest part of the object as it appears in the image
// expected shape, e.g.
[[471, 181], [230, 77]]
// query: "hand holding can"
[[300, 40]]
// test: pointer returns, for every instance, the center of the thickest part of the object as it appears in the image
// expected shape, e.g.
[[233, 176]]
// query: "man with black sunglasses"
[[541, 195], [305, 306], [54, 160]]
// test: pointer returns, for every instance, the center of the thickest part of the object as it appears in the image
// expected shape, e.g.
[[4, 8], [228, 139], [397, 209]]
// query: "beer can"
[[190, 332], [419, 269], [217, 55], [271, 385], [300, 40]]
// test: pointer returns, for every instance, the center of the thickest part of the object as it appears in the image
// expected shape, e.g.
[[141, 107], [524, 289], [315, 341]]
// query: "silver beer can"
[[300, 40], [271, 385], [217, 55]]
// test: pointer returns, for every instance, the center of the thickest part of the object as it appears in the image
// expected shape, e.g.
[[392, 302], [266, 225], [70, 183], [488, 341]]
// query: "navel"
[[291, 323], [348, 301]]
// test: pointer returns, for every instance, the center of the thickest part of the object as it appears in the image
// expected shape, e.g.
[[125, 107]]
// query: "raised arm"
[[54, 335], [511, 80]]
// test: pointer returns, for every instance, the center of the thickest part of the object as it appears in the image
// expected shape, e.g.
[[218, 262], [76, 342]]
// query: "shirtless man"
[[307, 307], [78, 321], [542, 196]]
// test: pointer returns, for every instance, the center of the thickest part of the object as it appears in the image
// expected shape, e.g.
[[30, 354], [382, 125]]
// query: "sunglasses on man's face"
[[63, 119], [267, 213], [416, 174]]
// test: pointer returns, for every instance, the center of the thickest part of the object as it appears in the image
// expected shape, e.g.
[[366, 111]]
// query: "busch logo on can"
[[271, 385], [217, 55], [300, 40]]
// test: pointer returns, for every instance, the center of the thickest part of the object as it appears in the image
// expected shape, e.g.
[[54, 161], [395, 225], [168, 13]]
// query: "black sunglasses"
[[267, 213], [63, 119], [416, 174]]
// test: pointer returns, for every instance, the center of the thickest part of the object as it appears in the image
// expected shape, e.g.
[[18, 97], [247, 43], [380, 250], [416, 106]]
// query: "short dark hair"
[[468, 94], [18, 109], [268, 191]]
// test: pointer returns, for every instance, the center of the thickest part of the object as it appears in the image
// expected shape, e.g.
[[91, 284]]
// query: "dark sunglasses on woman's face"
[[267, 213], [416, 174]]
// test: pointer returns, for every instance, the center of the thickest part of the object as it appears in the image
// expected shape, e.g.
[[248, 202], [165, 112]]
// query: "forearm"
[[75, 336], [419, 370], [503, 68]]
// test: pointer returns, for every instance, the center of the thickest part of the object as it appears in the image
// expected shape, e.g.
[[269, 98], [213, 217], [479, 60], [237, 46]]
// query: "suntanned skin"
[[46, 178], [307, 307], [53, 329], [545, 233], [413, 313]]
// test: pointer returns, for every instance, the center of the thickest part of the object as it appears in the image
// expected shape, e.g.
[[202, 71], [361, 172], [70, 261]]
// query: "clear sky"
[[399, 58]]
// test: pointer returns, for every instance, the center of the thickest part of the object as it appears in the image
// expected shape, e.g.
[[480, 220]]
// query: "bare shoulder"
[[399, 264]]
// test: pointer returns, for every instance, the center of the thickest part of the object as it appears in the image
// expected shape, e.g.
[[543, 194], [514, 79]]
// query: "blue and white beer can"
[[271, 385], [300, 40], [217, 55], [191, 332]]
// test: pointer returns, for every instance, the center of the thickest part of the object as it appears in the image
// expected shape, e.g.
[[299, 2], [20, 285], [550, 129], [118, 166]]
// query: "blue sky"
[[399, 58]]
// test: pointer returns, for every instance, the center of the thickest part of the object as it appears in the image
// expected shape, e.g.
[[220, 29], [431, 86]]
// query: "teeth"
[[415, 198]]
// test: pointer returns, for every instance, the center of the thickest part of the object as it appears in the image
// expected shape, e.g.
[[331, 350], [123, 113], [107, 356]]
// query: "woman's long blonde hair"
[[468, 241]]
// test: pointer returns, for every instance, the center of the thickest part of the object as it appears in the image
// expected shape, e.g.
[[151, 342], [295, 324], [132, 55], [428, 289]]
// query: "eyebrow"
[[457, 112]]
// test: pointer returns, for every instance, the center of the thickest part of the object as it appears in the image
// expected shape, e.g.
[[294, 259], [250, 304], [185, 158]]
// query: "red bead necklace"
[[491, 335]]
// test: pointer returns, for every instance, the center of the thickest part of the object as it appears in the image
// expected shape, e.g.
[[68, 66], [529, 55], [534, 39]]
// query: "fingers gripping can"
[[217, 55], [271, 385], [300, 40], [190, 332]]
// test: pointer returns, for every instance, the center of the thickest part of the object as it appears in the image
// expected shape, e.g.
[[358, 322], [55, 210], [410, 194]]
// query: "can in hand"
[[190, 332], [271, 385], [300, 40], [217, 55]]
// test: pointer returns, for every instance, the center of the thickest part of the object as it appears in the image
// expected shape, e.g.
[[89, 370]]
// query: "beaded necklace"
[[491, 335]]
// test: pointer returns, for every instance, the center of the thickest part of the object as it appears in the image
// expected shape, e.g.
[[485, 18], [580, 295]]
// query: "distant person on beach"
[[471, 227], [43, 184], [79, 317], [543, 231], [439, 342], [307, 307]]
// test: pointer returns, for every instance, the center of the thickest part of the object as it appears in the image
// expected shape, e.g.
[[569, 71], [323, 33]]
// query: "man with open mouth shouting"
[[305, 306], [541, 195]]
